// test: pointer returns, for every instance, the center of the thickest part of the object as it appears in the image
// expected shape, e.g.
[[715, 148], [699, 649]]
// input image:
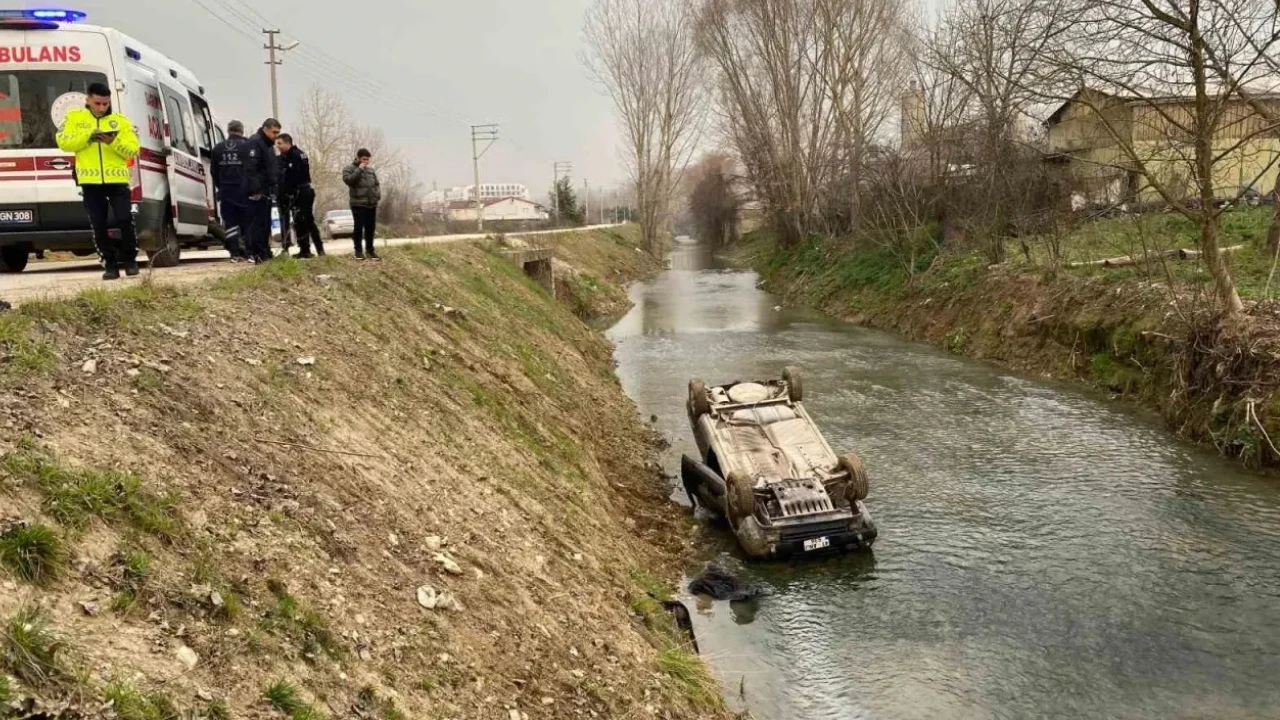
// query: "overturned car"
[[767, 469]]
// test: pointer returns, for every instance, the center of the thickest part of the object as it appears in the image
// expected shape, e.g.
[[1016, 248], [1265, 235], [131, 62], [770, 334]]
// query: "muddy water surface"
[[1043, 552]]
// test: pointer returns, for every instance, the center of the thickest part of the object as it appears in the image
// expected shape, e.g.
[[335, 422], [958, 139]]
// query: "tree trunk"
[[1217, 263], [1205, 130], [1273, 232]]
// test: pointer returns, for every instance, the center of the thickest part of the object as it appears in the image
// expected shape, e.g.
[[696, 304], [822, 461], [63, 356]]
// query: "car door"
[[206, 140], [185, 169]]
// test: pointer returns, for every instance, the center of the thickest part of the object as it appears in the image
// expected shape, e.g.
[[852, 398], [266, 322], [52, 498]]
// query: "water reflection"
[[1043, 554]]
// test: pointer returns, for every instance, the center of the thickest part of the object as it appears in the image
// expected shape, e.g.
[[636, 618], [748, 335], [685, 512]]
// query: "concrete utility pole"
[[273, 62], [481, 133], [560, 167]]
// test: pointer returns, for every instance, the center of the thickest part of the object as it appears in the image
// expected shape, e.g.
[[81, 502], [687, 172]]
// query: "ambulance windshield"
[[29, 99]]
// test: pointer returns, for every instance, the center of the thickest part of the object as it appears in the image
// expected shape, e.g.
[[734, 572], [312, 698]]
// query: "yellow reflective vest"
[[99, 163]]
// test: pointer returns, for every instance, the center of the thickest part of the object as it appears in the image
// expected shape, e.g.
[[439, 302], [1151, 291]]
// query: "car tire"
[[740, 501], [168, 252], [699, 404], [795, 387], [13, 258], [859, 484]]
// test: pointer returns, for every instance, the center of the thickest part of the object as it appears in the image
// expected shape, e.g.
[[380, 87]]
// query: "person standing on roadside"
[[104, 142], [261, 173], [229, 178], [366, 193], [298, 196]]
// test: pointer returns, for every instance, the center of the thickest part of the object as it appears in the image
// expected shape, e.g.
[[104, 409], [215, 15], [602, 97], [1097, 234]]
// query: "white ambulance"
[[47, 61]]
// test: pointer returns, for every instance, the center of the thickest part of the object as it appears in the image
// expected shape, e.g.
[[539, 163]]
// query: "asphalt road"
[[61, 279]]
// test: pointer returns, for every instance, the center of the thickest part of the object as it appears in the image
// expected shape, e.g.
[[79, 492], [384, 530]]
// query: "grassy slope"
[[1118, 328], [473, 411]]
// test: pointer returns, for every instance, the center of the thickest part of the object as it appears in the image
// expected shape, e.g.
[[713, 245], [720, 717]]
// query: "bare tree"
[[935, 115], [324, 125], [862, 63], [330, 137], [1179, 70], [773, 103], [641, 52], [996, 50], [1261, 95]]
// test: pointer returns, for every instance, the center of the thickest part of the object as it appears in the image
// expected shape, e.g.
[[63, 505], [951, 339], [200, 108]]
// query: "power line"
[[323, 66], [334, 69], [226, 22]]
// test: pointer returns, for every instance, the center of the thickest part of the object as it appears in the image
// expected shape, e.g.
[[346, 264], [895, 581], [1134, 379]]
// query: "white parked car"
[[339, 224]]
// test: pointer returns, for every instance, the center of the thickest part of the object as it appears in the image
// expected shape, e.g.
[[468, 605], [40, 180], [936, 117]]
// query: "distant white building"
[[488, 191], [496, 210]]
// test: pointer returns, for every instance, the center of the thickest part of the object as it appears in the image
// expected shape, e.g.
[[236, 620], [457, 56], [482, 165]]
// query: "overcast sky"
[[438, 65]]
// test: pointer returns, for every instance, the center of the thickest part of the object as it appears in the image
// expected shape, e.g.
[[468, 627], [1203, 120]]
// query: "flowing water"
[[1043, 552]]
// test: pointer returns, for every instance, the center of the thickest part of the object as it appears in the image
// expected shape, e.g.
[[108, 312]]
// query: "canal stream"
[[1043, 552]]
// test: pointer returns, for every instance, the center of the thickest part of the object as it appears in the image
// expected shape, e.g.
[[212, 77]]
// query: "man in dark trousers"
[[228, 177], [261, 172], [298, 196], [104, 142], [366, 193]]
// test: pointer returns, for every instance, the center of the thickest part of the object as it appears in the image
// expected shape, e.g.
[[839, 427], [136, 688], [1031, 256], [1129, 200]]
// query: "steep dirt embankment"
[[239, 500], [1134, 338]]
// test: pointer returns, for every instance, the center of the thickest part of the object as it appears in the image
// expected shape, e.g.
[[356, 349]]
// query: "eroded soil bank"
[[239, 499]]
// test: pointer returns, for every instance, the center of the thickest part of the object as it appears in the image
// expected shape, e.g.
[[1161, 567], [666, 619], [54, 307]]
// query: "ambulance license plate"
[[817, 544], [17, 217]]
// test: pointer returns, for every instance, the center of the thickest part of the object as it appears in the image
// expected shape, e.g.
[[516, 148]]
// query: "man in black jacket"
[[228, 177], [261, 171], [298, 196]]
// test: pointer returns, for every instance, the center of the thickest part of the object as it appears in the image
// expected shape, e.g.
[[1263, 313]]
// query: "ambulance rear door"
[[186, 171], [206, 140]]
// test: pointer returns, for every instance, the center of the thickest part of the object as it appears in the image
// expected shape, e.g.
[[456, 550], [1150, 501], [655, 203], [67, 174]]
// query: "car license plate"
[[17, 217], [817, 544]]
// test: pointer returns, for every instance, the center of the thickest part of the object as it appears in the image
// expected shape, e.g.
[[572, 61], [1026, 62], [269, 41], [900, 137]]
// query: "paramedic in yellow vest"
[[105, 144]]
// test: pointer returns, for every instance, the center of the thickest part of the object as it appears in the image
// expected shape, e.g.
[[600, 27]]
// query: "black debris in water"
[[722, 585], [683, 621]]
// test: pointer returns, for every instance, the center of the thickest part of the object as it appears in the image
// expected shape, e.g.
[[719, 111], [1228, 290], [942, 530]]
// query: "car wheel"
[[795, 388], [859, 484], [699, 403], [13, 258], [168, 252], [741, 501]]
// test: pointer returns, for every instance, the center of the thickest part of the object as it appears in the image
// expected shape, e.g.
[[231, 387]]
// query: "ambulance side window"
[[204, 124], [179, 111]]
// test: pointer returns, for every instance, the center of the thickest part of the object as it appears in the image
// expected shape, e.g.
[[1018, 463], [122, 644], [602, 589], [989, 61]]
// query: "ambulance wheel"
[[168, 252], [741, 501], [859, 485], [699, 404], [13, 258], [795, 388]]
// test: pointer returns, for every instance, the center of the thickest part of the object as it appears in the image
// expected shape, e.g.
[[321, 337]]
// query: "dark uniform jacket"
[[228, 169], [295, 171], [261, 169]]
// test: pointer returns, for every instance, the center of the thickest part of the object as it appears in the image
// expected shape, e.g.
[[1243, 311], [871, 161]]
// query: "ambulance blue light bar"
[[48, 15]]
